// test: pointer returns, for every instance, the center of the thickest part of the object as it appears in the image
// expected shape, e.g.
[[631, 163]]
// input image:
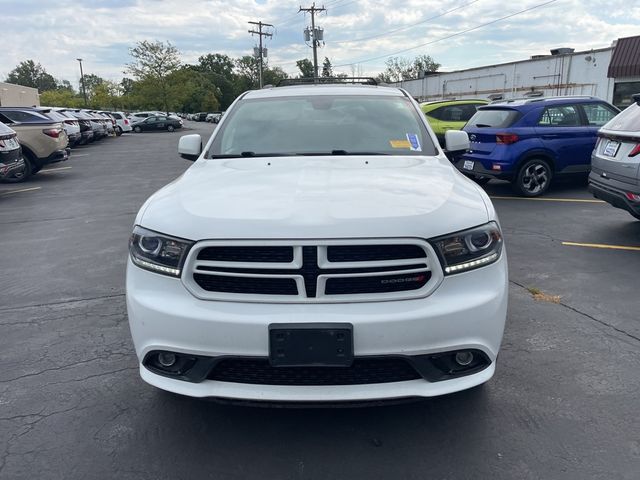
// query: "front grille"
[[381, 284], [311, 271], [246, 285], [267, 254], [363, 371], [371, 253]]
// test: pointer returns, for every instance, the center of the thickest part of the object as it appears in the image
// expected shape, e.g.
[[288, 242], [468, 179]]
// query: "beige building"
[[18, 96]]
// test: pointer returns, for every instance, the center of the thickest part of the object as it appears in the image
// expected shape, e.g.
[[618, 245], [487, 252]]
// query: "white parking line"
[[74, 155], [21, 190], [55, 169], [547, 199]]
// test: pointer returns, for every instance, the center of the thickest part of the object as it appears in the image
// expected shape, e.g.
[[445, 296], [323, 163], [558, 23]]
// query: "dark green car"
[[153, 123]]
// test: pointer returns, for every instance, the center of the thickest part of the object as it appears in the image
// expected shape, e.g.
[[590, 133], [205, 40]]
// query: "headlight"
[[473, 248], [157, 252]]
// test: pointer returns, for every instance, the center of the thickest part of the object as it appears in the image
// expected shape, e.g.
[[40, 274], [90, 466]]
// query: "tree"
[[31, 74], [399, 68], [91, 83], [247, 72], [327, 68], [273, 76], [219, 69], [217, 63], [306, 68], [60, 98], [153, 64]]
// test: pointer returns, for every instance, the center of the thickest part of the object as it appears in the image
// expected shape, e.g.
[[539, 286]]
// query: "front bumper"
[[613, 192], [467, 311]]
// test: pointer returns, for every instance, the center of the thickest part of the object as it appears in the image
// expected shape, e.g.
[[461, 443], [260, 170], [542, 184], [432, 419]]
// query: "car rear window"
[[20, 116], [324, 125], [117, 115], [626, 121], [494, 118]]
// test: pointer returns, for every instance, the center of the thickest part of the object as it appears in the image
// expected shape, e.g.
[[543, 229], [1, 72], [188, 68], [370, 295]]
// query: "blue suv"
[[529, 141]]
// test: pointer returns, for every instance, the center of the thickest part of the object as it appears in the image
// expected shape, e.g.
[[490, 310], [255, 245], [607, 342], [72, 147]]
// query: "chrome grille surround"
[[429, 266]]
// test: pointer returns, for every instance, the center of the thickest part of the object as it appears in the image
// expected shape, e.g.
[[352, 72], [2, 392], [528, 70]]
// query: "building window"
[[622, 93]]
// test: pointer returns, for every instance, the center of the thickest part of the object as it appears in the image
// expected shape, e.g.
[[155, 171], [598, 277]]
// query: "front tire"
[[137, 129], [533, 178], [118, 131], [170, 128]]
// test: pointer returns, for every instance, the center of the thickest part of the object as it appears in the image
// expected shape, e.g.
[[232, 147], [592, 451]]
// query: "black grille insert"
[[363, 371], [266, 254], [372, 253], [378, 284], [246, 285]]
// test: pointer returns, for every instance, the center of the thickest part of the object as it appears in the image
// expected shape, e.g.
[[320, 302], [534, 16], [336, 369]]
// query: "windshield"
[[493, 118], [323, 125]]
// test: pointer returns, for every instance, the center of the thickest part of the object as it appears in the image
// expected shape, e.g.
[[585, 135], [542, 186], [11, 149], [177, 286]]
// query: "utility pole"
[[84, 90], [315, 33], [261, 51]]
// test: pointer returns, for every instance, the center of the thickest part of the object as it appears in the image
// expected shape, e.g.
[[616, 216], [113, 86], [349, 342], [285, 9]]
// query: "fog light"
[[496, 167], [464, 358], [167, 359]]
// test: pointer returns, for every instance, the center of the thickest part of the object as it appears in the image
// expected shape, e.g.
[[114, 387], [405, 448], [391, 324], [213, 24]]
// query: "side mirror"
[[456, 140], [190, 147]]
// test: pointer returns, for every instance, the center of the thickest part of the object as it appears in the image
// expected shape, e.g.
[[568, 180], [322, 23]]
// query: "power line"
[[406, 27], [448, 36]]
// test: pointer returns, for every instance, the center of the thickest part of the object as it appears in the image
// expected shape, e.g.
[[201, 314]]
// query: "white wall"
[[18, 96], [582, 73]]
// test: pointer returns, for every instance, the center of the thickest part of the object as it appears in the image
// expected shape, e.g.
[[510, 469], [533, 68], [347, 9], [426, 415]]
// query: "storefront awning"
[[625, 61]]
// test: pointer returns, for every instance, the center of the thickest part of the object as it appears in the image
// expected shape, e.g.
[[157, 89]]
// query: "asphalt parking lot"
[[563, 403]]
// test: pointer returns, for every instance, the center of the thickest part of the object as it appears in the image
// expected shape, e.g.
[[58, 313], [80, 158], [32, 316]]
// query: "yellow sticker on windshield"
[[400, 144]]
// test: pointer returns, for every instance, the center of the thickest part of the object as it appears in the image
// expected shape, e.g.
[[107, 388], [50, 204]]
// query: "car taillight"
[[126, 121], [634, 197], [52, 132], [635, 151], [506, 138]]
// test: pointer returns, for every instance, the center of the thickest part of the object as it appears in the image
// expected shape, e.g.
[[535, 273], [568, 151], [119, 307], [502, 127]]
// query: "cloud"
[[101, 32]]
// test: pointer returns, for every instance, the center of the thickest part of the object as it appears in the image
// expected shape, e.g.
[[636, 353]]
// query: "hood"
[[316, 197]]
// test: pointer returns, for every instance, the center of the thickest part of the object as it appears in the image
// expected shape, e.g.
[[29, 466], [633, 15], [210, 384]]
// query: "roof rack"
[[285, 82]]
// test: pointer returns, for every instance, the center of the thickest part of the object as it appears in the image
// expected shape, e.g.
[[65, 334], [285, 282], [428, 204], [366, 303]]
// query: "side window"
[[598, 114], [469, 110], [453, 113], [437, 113], [161, 119], [117, 116], [150, 119], [560, 116]]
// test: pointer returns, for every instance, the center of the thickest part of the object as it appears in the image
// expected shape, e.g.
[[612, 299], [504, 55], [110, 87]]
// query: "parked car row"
[[32, 137], [531, 141], [211, 117], [153, 121]]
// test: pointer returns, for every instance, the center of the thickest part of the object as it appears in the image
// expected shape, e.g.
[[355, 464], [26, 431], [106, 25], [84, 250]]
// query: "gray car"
[[615, 162]]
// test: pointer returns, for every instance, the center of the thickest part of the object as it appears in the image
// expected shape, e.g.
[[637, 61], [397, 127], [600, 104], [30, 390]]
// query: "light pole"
[[84, 90]]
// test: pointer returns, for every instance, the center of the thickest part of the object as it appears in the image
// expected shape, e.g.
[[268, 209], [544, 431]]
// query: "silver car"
[[615, 162]]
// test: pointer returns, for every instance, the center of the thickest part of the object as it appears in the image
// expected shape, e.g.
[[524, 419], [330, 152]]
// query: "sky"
[[359, 35]]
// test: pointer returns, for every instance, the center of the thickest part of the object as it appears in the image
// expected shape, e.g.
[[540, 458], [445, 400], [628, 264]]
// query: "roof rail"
[[285, 82], [541, 99]]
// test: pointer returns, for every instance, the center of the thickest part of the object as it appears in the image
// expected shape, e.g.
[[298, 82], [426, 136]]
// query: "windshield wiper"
[[482, 125], [337, 152], [249, 154]]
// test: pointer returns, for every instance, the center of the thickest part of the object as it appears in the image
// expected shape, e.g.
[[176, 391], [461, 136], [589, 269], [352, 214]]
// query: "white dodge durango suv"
[[320, 249]]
